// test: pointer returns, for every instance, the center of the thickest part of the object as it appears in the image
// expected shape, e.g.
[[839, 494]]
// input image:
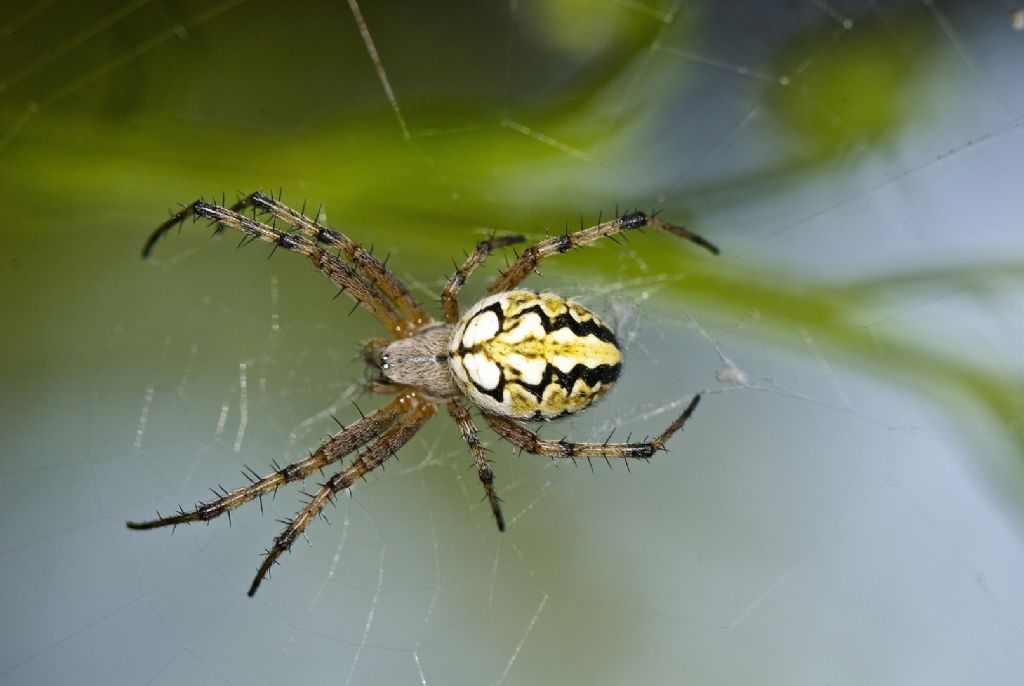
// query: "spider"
[[516, 355]]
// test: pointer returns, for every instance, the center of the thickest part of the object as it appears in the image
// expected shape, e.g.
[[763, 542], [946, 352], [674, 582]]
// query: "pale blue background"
[[820, 526]]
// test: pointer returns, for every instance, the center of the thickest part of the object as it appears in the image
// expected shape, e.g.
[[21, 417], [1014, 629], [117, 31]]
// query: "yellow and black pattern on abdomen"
[[533, 356]]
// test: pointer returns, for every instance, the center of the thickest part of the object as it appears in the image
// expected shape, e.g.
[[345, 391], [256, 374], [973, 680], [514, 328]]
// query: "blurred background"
[[846, 507]]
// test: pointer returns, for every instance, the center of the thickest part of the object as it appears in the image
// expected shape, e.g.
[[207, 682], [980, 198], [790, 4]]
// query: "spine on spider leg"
[[470, 434], [205, 511], [333, 449], [659, 442], [172, 221], [379, 451], [680, 231]]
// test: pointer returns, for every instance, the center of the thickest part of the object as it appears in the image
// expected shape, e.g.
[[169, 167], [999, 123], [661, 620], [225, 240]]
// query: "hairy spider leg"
[[462, 418], [333, 449], [377, 290], [556, 245], [527, 440], [339, 272], [417, 412], [368, 266], [450, 294]]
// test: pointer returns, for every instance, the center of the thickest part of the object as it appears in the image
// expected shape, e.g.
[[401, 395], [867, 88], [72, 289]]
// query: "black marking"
[[498, 392], [562, 321], [565, 320], [563, 243], [494, 307], [606, 374], [291, 472], [633, 220]]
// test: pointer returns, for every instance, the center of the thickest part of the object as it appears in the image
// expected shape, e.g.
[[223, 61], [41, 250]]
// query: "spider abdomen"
[[533, 355]]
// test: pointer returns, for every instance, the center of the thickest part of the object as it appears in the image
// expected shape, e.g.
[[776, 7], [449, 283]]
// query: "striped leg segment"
[[527, 440], [450, 294], [555, 245], [335, 448], [461, 416], [342, 274], [374, 456], [368, 266]]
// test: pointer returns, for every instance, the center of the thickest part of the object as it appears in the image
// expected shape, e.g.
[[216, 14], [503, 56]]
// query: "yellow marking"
[[580, 313], [580, 388], [552, 304]]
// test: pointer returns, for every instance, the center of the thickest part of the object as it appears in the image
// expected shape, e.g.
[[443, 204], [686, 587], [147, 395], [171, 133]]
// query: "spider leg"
[[342, 274], [449, 296], [375, 386], [461, 416], [368, 266], [383, 448], [332, 450], [526, 263], [527, 440]]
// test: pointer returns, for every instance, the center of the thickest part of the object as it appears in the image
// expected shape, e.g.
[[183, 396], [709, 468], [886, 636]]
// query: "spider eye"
[[384, 361]]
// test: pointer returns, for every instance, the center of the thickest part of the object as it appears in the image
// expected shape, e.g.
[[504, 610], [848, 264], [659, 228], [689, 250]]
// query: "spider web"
[[832, 515]]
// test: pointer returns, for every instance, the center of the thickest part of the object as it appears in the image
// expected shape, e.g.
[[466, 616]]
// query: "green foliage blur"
[[510, 118]]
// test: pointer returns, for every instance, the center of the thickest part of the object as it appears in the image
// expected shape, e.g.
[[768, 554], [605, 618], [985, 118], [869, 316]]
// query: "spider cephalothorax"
[[515, 354]]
